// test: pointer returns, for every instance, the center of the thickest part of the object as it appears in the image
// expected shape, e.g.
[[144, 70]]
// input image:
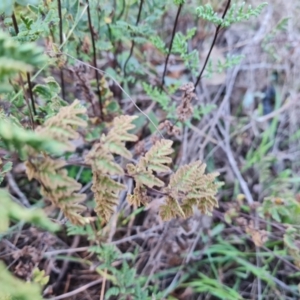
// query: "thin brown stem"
[[95, 59], [16, 27], [122, 11], [218, 28], [27, 102], [170, 46], [31, 93], [133, 42]]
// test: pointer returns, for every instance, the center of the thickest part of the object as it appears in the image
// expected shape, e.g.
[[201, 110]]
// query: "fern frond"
[[57, 186], [65, 193], [42, 168], [16, 58], [12, 211], [171, 209], [106, 192], [157, 157], [144, 176], [101, 159], [138, 197], [190, 187], [16, 138], [207, 204], [72, 212], [114, 141], [154, 160], [61, 127], [184, 179]]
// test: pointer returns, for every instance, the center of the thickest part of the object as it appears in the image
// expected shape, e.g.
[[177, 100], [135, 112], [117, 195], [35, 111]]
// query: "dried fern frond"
[[101, 159], [62, 127], [114, 141], [57, 186], [106, 192], [157, 157], [170, 210], [72, 211], [154, 160], [138, 197], [142, 176], [189, 187]]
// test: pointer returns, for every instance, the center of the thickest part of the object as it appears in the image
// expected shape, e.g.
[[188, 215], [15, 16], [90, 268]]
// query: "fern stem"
[[16, 27], [218, 28], [31, 93], [95, 59], [62, 81], [27, 103], [170, 46], [133, 42], [122, 11]]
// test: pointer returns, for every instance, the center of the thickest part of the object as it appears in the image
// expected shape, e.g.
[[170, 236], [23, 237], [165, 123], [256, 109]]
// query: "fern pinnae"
[[101, 159], [170, 210], [191, 187], [61, 127], [115, 140], [138, 197], [144, 177], [157, 158], [57, 186]]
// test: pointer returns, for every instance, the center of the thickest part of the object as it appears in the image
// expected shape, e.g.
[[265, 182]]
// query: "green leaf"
[[43, 91], [258, 272], [17, 138], [212, 286], [113, 107], [11, 210], [14, 288], [113, 291], [16, 57], [6, 7], [38, 276], [159, 44], [7, 167], [26, 2]]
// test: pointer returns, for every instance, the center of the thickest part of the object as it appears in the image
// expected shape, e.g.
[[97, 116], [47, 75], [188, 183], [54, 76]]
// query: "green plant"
[[236, 13], [94, 153], [13, 211], [13, 288]]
